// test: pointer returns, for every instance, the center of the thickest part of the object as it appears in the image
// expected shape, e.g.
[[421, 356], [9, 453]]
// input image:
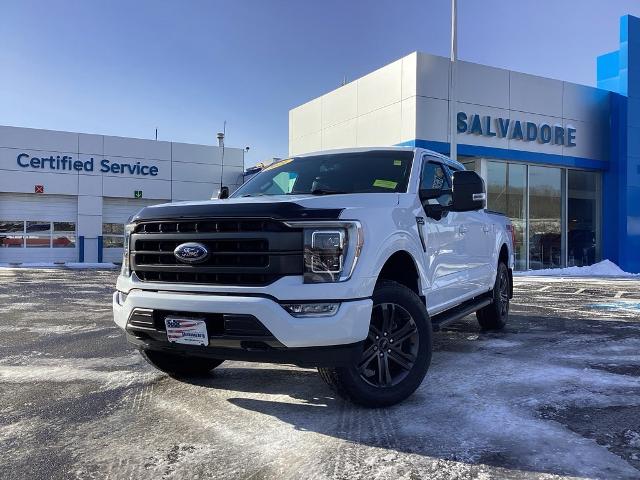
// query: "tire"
[[495, 315], [179, 365], [389, 370]]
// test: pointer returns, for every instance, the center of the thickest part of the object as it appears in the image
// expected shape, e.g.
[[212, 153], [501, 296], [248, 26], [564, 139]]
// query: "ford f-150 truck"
[[346, 260]]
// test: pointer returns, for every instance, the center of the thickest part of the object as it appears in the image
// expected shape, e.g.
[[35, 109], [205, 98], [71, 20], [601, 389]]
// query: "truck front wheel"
[[396, 353], [179, 365]]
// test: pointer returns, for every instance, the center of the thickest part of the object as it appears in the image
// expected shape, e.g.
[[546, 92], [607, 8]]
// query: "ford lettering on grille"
[[191, 252]]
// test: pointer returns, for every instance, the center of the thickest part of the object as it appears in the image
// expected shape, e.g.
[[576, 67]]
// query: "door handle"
[[463, 229]]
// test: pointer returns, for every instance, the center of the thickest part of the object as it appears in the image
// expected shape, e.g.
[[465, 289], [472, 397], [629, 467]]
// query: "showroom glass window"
[[555, 211], [469, 163], [583, 192], [507, 194], [545, 222], [517, 209]]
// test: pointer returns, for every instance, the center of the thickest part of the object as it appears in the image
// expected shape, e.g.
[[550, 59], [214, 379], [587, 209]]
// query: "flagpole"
[[452, 84]]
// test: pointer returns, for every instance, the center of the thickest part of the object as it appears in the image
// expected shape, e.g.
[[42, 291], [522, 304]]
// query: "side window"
[[434, 177]]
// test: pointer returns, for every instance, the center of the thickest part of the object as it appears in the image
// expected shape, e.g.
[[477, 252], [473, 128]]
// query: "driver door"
[[445, 255]]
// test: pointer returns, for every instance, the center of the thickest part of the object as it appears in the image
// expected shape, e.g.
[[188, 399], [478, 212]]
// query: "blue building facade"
[[619, 72]]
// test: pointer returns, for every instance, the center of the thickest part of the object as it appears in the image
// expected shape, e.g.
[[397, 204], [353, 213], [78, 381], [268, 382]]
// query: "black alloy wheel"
[[395, 354], [504, 293], [391, 348], [495, 315]]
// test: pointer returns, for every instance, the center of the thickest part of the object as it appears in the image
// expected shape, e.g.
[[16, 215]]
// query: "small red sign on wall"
[[39, 188]]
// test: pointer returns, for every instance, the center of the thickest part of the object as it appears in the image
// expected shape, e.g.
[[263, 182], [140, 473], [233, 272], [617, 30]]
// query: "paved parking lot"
[[556, 394]]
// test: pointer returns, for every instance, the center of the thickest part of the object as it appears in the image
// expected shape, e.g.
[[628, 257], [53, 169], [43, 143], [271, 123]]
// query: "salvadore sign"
[[66, 163], [488, 126]]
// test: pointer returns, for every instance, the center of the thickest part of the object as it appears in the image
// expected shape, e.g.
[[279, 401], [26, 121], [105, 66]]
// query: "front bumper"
[[303, 340]]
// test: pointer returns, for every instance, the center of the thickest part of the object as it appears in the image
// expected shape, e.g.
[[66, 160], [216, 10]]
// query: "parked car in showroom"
[[345, 260]]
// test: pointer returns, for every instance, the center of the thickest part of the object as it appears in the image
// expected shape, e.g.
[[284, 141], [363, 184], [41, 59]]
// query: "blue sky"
[[128, 67]]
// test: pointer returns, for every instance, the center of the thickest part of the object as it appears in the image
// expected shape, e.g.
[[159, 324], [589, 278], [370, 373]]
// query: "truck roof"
[[444, 158]]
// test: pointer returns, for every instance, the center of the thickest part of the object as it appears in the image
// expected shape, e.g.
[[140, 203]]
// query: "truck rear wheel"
[[495, 315], [396, 353], [179, 365]]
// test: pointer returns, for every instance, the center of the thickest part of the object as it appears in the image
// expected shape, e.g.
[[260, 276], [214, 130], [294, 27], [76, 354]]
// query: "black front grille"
[[244, 245], [242, 251]]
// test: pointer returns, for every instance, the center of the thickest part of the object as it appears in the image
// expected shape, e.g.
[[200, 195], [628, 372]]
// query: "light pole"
[[452, 83]]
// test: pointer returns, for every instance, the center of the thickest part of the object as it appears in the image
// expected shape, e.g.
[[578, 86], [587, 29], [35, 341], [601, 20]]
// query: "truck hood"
[[282, 207]]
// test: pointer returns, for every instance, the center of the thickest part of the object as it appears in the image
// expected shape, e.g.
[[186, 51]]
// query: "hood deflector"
[[276, 210]]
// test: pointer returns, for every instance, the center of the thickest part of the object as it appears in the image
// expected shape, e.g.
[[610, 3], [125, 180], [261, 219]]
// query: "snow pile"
[[605, 268], [74, 265]]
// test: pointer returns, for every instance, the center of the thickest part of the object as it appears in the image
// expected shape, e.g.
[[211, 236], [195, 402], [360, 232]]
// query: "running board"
[[453, 315]]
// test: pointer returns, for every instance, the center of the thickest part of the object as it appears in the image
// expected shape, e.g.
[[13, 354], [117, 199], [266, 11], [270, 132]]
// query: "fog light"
[[121, 298], [311, 309]]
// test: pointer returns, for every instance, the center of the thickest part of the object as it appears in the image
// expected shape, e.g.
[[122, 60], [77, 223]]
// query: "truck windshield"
[[361, 172]]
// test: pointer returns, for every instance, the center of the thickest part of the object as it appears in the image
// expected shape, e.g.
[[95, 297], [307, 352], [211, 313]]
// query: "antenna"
[[156, 134], [221, 144]]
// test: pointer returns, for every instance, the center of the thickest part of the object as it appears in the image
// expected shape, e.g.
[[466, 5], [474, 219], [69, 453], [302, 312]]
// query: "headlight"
[[126, 268], [331, 250], [324, 251]]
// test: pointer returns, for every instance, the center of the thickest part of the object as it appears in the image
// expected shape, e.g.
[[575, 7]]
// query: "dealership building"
[[64, 197], [561, 160]]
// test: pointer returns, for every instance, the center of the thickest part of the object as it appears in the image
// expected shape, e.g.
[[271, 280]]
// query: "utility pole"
[[453, 117], [221, 139]]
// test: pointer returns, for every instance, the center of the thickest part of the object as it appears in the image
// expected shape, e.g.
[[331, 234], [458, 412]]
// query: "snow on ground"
[[73, 265], [556, 395], [605, 268], [45, 329], [89, 265]]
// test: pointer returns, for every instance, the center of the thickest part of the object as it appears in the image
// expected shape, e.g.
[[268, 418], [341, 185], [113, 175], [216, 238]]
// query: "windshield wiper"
[[326, 191]]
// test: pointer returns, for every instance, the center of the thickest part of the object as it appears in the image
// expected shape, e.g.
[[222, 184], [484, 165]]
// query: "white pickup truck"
[[345, 260]]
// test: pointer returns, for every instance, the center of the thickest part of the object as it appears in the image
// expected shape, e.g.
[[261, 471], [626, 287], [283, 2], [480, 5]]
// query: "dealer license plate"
[[189, 331]]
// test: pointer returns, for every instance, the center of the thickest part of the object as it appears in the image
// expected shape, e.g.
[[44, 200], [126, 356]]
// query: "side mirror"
[[429, 193], [223, 193], [469, 192]]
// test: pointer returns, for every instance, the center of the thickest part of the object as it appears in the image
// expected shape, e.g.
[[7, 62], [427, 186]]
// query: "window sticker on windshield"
[[385, 184], [278, 164], [397, 162]]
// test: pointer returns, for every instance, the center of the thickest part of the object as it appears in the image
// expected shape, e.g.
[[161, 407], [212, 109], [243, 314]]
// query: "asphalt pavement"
[[555, 395]]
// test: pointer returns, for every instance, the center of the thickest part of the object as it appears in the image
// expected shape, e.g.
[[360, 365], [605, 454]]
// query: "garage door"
[[115, 213], [38, 228]]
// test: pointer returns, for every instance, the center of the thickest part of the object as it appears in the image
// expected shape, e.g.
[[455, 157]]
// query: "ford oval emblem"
[[191, 252]]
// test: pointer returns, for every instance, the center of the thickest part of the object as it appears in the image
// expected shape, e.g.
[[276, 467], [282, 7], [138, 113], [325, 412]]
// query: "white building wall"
[[409, 99], [182, 172], [377, 109]]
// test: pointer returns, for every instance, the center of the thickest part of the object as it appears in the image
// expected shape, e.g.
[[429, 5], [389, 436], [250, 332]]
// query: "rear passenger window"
[[434, 177]]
